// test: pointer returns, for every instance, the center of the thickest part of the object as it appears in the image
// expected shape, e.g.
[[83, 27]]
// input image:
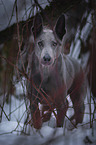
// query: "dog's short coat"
[[53, 75]]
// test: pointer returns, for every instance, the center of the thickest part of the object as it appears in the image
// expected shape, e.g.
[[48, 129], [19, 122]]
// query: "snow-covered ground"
[[50, 136]]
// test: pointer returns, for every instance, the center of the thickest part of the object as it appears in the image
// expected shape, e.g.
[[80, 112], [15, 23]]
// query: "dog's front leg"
[[46, 113], [36, 117], [61, 112]]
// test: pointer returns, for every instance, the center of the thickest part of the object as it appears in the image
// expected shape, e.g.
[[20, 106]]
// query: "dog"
[[53, 75]]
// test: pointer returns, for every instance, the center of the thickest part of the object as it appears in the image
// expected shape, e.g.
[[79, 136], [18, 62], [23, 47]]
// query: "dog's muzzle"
[[46, 60]]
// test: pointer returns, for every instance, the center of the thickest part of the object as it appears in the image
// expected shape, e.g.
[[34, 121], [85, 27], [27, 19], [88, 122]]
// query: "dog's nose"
[[47, 58]]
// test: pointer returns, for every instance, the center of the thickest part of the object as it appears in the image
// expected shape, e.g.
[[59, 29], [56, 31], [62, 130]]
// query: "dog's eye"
[[40, 44], [54, 44]]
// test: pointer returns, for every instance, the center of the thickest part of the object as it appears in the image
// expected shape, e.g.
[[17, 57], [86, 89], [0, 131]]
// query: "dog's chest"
[[50, 84], [54, 80]]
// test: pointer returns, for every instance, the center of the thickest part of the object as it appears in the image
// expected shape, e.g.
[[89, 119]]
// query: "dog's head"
[[47, 43]]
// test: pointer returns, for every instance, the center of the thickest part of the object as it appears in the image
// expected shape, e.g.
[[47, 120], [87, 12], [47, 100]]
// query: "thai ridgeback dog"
[[53, 75]]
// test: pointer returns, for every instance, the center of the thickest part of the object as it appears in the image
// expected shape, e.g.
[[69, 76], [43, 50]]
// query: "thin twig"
[[12, 12], [16, 109], [4, 113]]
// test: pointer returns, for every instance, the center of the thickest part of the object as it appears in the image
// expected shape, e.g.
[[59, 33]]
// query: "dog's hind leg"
[[79, 113], [77, 98]]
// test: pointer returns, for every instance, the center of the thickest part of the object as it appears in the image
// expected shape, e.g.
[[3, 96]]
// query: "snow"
[[81, 36], [48, 134], [26, 9], [87, 28], [76, 50]]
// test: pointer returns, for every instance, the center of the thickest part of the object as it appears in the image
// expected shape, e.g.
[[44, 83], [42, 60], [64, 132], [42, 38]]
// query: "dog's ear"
[[37, 25], [59, 29]]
